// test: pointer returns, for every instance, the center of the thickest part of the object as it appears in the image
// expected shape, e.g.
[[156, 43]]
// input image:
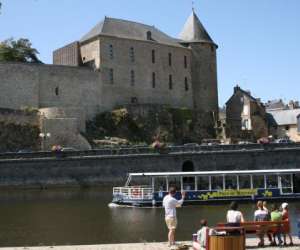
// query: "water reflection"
[[61, 217]]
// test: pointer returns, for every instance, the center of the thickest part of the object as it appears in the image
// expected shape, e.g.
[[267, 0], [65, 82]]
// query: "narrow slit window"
[[185, 62], [132, 77], [170, 59], [186, 84], [57, 91], [153, 56], [111, 76], [111, 51], [170, 82], [131, 54], [153, 80]]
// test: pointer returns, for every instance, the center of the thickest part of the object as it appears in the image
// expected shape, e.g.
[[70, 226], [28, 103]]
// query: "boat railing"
[[134, 192]]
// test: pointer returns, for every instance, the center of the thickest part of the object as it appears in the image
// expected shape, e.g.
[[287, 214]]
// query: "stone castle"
[[117, 63]]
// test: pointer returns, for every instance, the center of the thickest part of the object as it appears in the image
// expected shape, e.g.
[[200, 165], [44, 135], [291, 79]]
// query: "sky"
[[258, 39]]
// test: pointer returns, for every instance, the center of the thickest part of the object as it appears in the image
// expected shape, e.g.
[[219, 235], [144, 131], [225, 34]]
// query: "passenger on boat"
[[234, 217], [170, 203], [261, 215], [276, 216], [285, 216], [200, 244]]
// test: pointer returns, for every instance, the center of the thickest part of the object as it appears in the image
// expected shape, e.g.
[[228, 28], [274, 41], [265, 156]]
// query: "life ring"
[[136, 192]]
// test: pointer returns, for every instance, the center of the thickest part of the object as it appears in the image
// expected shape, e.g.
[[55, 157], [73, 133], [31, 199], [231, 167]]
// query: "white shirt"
[[170, 204], [260, 215], [234, 216], [201, 236]]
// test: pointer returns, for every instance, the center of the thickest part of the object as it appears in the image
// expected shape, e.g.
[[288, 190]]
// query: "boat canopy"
[[231, 172]]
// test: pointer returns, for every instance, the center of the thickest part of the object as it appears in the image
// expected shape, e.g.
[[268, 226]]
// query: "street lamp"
[[44, 136]]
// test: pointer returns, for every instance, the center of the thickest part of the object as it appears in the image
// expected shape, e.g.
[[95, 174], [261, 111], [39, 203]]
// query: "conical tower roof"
[[194, 31]]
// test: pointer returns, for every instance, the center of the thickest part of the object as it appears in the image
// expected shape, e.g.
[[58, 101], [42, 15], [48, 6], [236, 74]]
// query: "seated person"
[[276, 216], [200, 244], [285, 216], [261, 215], [234, 217]]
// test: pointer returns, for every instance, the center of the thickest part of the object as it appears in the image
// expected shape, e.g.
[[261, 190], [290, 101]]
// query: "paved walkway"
[[251, 244]]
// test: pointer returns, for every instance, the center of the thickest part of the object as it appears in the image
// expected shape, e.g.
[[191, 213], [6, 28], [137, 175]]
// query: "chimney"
[[236, 88], [291, 104]]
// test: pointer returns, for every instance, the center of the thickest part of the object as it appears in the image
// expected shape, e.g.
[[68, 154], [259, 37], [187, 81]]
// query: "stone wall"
[[112, 170], [43, 86], [67, 55], [204, 76], [124, 91], [19, 86]]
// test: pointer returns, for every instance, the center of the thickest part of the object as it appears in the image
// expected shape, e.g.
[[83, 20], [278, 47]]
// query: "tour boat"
[[149, 189]]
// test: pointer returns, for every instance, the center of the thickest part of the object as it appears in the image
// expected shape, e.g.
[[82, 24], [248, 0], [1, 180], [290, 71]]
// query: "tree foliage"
[[18, 51]]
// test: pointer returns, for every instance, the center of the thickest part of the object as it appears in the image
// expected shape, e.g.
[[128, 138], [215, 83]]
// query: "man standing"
[[170, 203]]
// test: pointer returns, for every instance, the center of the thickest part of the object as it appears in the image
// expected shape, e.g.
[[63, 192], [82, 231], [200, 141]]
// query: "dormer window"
[[149, 35]]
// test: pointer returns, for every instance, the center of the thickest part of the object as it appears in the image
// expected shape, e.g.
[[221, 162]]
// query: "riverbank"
[[251, 244]]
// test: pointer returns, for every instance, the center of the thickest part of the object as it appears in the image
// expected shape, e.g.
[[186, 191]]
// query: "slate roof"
[[194, 31], [285, 117], [275, 104], [128, 29]]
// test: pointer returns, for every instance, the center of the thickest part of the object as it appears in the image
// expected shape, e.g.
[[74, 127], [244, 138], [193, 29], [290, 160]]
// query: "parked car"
[[284, 140], [68, 149], [245, 142], [211, 142], [191, 144]]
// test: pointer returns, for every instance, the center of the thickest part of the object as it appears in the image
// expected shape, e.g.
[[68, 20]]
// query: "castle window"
[[153, 80], [131, 54], [170, 59], [212, 48], [186, 84], [153, 56], [134, 100], [185, 62], [111, 51], [149, 35], [170, 82], [111, 76], [56, 91], [132, 77]]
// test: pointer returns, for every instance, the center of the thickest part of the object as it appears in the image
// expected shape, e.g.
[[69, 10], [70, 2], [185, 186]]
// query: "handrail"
[[149, 150], [134, 192]]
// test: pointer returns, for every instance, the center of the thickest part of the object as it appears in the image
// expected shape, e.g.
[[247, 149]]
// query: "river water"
[[73, 216]]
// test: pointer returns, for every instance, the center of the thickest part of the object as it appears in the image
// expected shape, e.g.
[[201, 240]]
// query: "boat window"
[[188, 183], [272, 181], [286, 184], [217, 182], [140, 181], [258, 181], [175, 181], [244, 182], [230, 182], [296, 181], [203, 182], [160, 184]]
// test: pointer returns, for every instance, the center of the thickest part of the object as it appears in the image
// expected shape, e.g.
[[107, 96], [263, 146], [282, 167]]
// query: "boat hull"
[[212, 197]]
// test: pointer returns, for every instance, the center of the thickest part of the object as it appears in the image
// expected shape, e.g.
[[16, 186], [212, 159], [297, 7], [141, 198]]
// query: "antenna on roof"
[[193, 3]]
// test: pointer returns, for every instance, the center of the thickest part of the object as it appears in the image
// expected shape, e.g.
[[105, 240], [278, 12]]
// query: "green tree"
[[18, 51]]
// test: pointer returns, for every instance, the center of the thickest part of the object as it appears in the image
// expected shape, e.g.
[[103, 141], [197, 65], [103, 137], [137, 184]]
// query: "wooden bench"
[[253, 227]]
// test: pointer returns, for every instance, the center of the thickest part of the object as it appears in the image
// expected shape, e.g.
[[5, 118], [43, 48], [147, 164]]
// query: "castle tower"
[[204, 65]]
